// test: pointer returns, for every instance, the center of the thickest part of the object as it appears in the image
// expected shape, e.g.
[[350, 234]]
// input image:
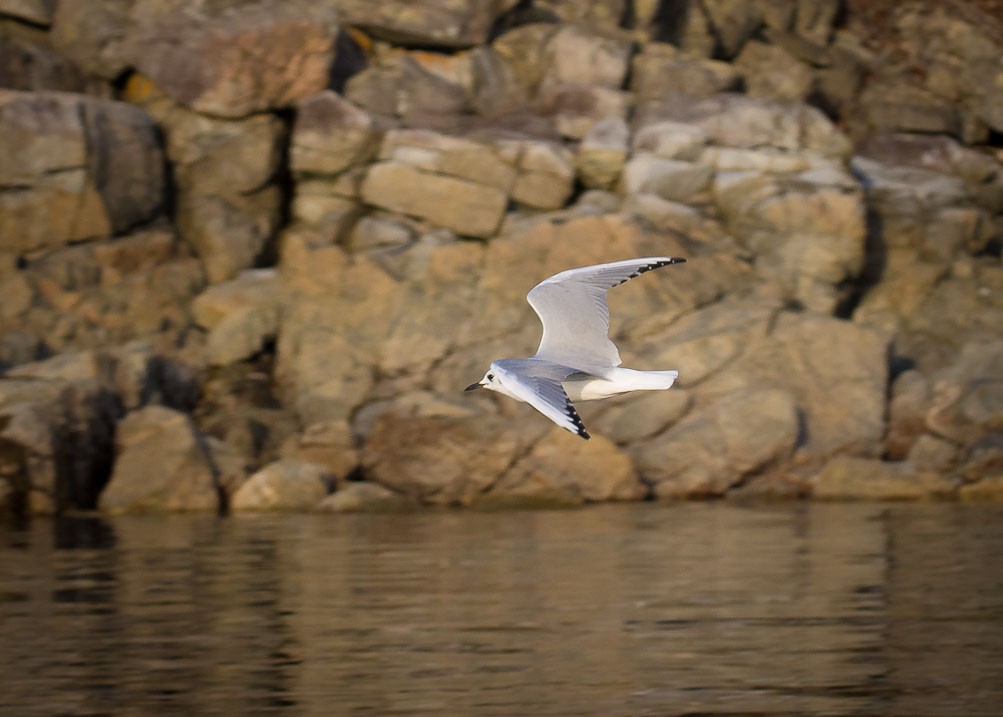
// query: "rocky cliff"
[[251, 251]]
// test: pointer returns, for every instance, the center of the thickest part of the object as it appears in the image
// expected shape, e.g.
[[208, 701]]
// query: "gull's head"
[[491, 381]]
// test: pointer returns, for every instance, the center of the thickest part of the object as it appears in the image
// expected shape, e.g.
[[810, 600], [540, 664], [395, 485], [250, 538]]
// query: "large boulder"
[[712, 449], [162, 464], [75, 168], [283, 485], [233, 58], [428, 22]]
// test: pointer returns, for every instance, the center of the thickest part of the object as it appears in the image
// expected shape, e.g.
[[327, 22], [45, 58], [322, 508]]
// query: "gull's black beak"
[[472, 386]]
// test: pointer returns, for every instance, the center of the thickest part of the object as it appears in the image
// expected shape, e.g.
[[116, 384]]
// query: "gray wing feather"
[[572, 306], [538, 383]]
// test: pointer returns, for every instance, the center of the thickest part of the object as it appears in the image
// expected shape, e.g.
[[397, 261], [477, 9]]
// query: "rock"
[[711, 449], [161, 463], [910, 400], [229, 233], [732, 22], [815, 19], [464, 207], [854, 478], [37, 12], [94, 35], [283, 485], [957, 53], [546, 175], [234, 58], [640, 415], [836, 372], [428, 23], [932, 454], [77, 168], [28, 65], [605, 15], [661, 69], [523, 48], [329, 444], [896, 106], [240, 314], [56, 436], [602, 153], [228, 202], [559, 470], [574, 56], [670, 179], [495, 87], [330, 135], [364, 497], [981, 172], [251, 288], [574, 109], [967, 402], [441, 460], [771, 72], [750, 122], [669, 140], [986, 490]]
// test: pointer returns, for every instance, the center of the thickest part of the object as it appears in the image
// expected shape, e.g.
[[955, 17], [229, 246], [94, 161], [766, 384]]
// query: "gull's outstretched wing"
[[572, 307], [538, 383]]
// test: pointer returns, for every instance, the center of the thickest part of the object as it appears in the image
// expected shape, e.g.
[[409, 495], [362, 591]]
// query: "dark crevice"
[[350, 59], [875, 258], [283, 179], [83, 446], [670, 19], [522, 14]]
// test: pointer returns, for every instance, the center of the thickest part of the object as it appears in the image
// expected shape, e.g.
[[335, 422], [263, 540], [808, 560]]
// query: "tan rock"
[[836, 371], [440, 460], [575, 108], [711, 449], [638, 416], [602, 153], [573, 55], [364, 497], [428, 22], [670, 179], [853, 478], [283, 485], [330, 135], [670, 140], [464, 207], [771, 72], [251, 288], [661, 69], [329, 444], [562, 469], [77, 168], [162, 464], [236, 58], [732, 120], [38, 12], [987, 490]]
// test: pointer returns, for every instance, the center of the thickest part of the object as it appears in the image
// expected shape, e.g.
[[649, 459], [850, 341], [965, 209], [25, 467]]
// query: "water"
[[614, 610]]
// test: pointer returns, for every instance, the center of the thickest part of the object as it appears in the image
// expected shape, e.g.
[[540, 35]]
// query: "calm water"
[[615, 610]]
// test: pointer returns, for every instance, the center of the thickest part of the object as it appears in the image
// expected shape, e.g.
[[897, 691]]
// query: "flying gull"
[[576, 360]]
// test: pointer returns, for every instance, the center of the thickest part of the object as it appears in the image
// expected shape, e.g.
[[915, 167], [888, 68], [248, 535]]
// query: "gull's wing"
[[538, 383], [572, 307]]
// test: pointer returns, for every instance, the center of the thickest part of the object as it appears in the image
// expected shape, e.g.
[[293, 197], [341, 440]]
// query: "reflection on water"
[[612, 610]]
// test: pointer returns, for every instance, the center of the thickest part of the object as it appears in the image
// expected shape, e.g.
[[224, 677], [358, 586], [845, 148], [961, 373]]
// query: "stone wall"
[[251, 251]]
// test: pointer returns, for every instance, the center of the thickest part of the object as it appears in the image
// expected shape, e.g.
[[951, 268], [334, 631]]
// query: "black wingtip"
[[584, 434]]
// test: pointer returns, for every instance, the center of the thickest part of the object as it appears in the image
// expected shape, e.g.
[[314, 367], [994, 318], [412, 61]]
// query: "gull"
[[576, 360]]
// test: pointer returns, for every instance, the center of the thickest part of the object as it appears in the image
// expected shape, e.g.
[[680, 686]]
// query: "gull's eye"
[[491, 377]]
